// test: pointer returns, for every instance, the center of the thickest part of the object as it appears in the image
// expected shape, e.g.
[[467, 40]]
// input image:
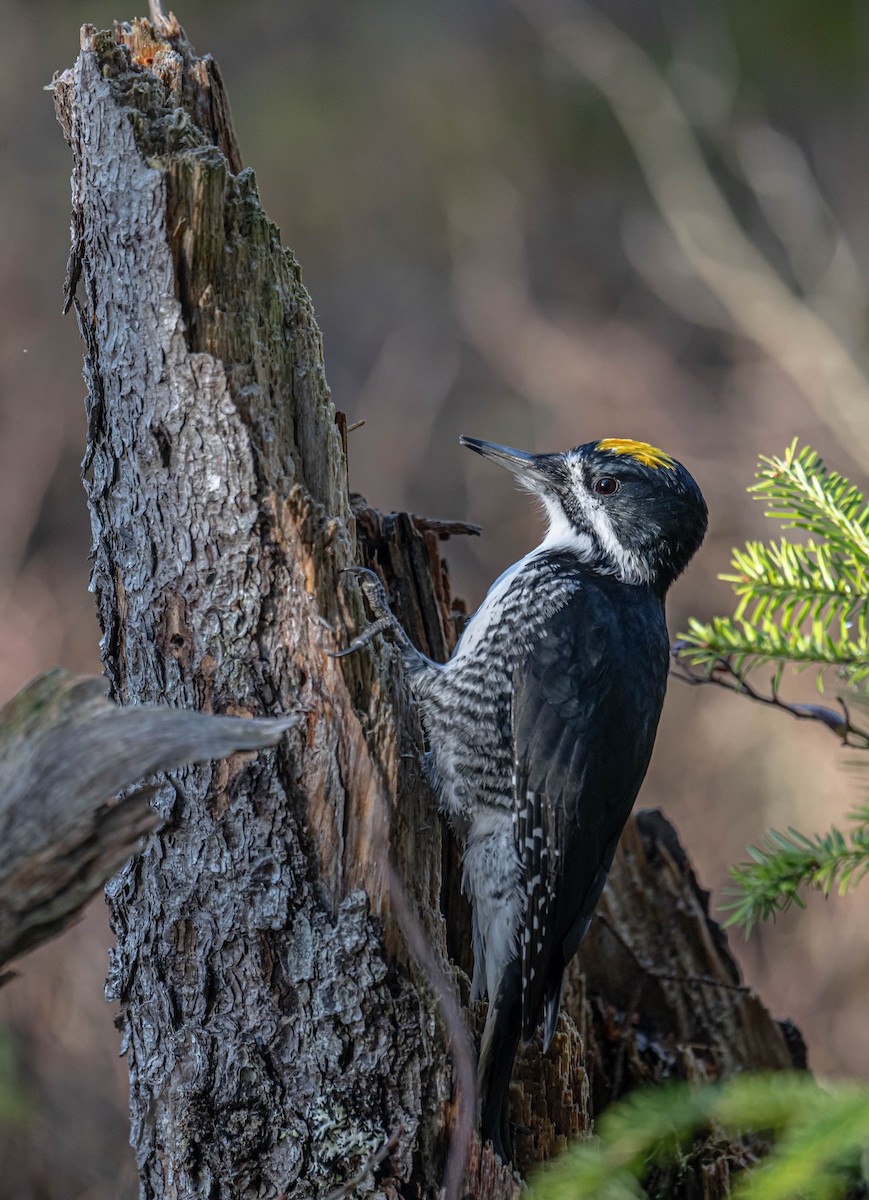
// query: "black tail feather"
[[552, 1007], [497, 1053]]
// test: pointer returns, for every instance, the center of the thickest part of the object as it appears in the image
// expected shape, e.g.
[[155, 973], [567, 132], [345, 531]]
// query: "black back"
[[587, 700]]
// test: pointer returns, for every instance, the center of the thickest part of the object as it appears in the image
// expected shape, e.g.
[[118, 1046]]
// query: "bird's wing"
[[585, 708]]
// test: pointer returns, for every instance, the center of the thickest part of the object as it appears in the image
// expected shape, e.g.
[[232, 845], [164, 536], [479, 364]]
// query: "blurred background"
[[537, 225]]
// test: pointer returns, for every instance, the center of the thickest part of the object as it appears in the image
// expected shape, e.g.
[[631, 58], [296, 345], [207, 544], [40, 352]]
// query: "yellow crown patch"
[[641, 452]]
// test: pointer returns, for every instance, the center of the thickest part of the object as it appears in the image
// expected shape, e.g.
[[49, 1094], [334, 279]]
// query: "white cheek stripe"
[[624, 564], [561, 535], [627, 566]]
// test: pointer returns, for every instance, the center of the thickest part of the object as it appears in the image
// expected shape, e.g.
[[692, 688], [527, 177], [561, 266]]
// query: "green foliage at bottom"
[[820, 1139]]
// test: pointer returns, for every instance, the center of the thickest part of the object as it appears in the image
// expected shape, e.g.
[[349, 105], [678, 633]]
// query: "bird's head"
[[623, 506]]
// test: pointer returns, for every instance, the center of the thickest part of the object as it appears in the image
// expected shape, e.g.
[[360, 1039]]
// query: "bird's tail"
[[497, 1052]]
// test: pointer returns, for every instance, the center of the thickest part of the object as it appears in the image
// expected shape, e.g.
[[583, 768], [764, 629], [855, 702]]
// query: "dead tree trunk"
[[278, 1031], [274, 1033]]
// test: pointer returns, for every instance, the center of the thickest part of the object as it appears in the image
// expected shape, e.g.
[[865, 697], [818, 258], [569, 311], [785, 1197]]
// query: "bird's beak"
[[530, 468]]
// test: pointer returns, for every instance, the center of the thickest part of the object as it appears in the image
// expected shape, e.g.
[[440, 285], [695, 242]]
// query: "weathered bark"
[[275, 1036], [64, 752], [277, 1028]]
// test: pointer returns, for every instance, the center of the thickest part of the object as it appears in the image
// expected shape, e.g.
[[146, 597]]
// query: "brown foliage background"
[[485, 258]]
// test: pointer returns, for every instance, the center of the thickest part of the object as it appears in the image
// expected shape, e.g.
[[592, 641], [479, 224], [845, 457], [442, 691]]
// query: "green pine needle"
[[786, 862], [804, 603], [801, 603]]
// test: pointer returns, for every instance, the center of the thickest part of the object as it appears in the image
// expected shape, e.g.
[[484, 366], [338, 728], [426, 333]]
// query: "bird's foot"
[[384, 621]]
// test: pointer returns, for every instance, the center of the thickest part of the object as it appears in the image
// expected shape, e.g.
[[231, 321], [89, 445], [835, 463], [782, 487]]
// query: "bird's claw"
[[372, 590], [361, 639]]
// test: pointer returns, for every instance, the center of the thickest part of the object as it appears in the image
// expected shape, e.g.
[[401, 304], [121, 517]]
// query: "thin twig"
[[723, 674], [375, 1158], [459, 1042], [651, 972]]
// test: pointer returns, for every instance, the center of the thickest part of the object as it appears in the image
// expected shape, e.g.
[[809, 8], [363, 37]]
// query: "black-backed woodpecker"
[[542, 723]]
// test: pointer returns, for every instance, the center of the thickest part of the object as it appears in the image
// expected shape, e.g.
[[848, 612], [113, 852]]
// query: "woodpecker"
[[541, 725]]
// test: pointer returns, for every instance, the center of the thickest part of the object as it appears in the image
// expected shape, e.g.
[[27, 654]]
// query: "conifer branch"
[[723, 673], [786, 862], [802, 603]]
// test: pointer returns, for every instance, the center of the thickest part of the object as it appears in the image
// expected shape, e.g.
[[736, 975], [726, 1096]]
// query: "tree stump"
[[282, 1037]]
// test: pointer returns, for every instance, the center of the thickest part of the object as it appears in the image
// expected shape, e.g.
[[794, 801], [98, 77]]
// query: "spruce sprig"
[[805, 603], [803, 493], [784, 863], [748, 646]]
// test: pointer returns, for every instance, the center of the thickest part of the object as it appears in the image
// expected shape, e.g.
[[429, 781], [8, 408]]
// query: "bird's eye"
[[606, 485]]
